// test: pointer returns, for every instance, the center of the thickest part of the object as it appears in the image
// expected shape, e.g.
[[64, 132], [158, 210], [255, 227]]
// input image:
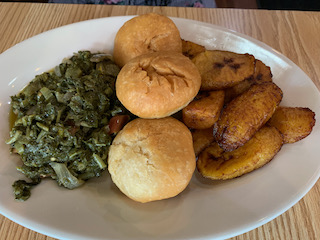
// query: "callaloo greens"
[[62, 126]]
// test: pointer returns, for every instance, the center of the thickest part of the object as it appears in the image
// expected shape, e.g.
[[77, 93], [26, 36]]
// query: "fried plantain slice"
[[295, 123], [201, 139], [223, 69], [241, 87], [261, 74], [216, 164], [204, 110], [191, 49], [244, 115]]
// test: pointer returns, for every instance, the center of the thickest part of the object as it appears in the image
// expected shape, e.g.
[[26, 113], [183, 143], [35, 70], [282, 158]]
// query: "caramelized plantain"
[[191, 49], [216, 164], [244, 115], [295, 123], [262, 73], [201, 139], [223, 69], [204, 110]]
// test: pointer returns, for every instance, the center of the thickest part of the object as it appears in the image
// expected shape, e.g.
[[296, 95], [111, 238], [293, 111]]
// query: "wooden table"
[[294, 34]]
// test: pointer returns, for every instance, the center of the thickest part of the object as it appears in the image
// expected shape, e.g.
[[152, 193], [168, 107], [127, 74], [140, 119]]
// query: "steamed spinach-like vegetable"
[[62, 130]]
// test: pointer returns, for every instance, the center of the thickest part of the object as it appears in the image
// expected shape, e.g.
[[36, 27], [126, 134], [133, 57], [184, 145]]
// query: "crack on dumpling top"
[[162, 73], [152, 44]]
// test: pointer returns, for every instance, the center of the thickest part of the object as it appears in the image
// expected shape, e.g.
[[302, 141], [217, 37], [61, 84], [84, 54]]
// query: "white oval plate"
[[205, 209]]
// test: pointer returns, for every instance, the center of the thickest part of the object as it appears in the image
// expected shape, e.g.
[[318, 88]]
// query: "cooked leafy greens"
[[62, 125]]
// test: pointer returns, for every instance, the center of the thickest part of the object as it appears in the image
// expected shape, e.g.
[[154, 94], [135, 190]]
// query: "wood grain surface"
[[293, 33]]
